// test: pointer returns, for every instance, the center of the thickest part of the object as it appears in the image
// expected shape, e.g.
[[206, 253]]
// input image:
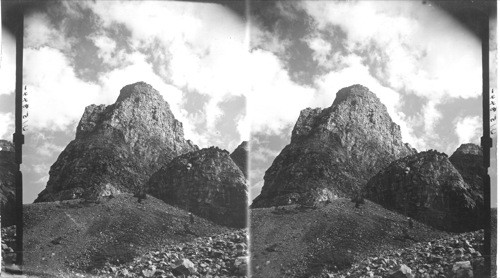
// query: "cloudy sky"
[[226, 72], [422, 64], [82, 53]]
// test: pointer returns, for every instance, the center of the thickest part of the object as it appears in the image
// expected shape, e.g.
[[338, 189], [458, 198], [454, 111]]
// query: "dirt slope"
[[290, 242], [61, 237]]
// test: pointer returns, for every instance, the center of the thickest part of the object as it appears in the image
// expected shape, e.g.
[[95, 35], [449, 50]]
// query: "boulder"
[[402, 271], [183, 267], [462, 270]]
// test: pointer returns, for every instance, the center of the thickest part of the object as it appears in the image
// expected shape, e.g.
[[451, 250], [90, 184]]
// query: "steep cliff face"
[[334, 151], [427, 187], [117, 147], [7, 183], [240, 157], [207, 183]]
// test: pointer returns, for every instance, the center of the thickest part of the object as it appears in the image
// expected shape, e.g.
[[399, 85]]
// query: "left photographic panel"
[[134, 162], [10, 156]]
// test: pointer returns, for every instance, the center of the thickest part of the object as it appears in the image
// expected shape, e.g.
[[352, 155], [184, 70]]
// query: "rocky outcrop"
[[427, 187], [117, 147], [336, 149], [240, 157], [207, 183], [468, 160], [7, 183]]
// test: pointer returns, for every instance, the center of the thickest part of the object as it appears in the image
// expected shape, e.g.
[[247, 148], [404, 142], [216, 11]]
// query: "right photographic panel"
[[371, 135]]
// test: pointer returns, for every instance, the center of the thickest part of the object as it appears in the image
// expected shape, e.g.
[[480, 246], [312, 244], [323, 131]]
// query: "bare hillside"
[[295, 242], [73, 236]]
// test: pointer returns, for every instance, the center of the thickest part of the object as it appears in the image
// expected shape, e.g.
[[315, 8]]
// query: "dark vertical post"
[[486, 142], [18, 135]]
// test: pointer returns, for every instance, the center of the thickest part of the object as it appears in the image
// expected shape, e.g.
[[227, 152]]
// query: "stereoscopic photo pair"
[[248, 139]]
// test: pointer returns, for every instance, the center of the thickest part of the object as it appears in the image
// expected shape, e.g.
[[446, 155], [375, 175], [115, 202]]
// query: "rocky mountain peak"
[[337, 149], [240, 157], [355, 111], [139, 91], [427, 187], [207, 183], [118, 147], [352, 92]]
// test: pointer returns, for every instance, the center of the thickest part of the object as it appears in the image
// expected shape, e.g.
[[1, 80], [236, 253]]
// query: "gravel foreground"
[[224, 255], [437, 258]]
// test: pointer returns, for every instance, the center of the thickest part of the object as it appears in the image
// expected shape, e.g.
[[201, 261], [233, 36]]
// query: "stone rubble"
[[456, 256], [8, 244], [224, 255]]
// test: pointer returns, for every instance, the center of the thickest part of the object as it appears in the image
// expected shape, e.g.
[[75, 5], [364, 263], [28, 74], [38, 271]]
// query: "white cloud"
[[243, 126], [40, 32], [107, 48], [57, 97], [41, 168], [197, 46], [421, 44], [469, 129], [274, 101], [263, 154], [431, 116], [265, 40], [7, 63], [48, 149], [6, 126], [322, 50]]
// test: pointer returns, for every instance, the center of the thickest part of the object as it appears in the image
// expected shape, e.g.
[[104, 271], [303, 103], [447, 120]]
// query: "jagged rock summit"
[[7, 183], [240, 157], [334, 151], [207, 183], [117, 147], [426, 186]]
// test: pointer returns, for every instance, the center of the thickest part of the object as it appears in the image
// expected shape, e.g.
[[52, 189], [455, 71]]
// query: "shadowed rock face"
[[336, 149], [426, 186], [117, 147], [240, 157], [7, 183], [468, 160], [207, 183]]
